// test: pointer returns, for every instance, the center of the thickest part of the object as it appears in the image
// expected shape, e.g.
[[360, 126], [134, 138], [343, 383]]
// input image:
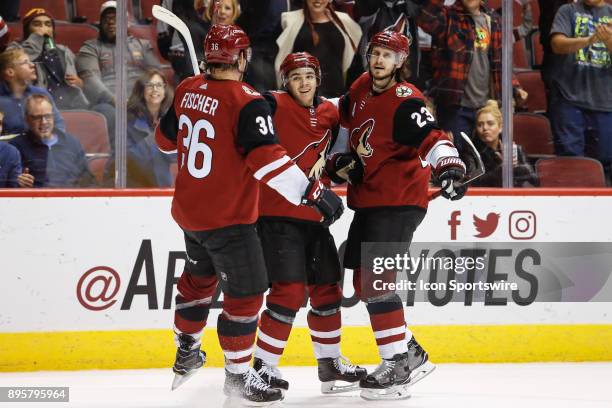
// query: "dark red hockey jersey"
[[307, 134], [393, 134], [225, 139]]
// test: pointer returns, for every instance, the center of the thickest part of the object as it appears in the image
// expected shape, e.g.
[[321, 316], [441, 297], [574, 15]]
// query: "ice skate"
[[271, 375], [332, 370], [188, 360], [418, 362], [389, 381], [250, 389]]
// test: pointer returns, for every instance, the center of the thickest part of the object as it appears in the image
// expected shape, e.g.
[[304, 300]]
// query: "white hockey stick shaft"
[[168, 17]]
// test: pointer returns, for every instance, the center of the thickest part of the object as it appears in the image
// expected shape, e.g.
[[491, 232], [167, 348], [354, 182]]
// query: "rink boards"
[[88, 280]]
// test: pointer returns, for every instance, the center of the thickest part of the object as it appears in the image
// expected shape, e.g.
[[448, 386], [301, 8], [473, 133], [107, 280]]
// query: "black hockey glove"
[[343, 167], [325, 201], [449, 172]]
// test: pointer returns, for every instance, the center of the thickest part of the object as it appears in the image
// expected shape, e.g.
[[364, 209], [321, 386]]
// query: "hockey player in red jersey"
[[299, 251], [223, 132], [393, 141]]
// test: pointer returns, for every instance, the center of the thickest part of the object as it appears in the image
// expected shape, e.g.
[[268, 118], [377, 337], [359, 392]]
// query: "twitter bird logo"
[[487, 226]]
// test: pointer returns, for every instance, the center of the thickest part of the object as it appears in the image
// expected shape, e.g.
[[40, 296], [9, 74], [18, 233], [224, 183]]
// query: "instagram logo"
[[522, 225]]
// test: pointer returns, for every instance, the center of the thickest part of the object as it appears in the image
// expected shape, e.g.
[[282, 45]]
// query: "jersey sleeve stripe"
[[442, 148], [163, 143], [259, 174], [291, 184]]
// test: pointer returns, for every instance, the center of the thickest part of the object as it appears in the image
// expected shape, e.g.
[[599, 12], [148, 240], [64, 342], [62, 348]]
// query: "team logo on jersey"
[[204, 86], [250, 91], [361, 136], [403, 91], [314, 153]]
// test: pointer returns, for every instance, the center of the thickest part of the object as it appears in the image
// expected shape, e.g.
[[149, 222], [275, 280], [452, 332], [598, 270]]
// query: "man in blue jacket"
[[52, 157]]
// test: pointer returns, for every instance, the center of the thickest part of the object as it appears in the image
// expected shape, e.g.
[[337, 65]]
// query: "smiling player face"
[[302, 85]]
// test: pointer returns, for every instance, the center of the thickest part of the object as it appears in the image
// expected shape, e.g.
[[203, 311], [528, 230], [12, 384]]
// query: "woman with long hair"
[[330, 36], [150, 99]]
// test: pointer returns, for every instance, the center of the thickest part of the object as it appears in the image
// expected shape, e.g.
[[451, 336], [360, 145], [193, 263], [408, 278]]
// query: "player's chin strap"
[[468, 178]]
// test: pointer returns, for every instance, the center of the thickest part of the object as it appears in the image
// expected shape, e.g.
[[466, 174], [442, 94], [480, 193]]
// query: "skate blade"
[[331, 387], [398, 392], [421, 372], [233, 401], [180, 379]]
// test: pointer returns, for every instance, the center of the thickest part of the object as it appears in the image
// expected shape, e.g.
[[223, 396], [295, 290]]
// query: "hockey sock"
[[324, 320], [389, 326], [193, 302], [283, 302], [236, 328]]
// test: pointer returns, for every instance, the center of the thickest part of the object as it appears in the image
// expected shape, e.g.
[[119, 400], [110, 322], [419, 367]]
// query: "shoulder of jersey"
[[191, 82], [364, 80], [404, 90], [248, 90]]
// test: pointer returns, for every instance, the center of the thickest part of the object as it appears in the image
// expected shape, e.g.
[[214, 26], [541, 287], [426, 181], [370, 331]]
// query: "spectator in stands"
[[17, 73], [581, 93], [261, 19], [10, 162], [379, 15], [96, 64], [222, 12], [330, 36], [488, 143], [55, 63], [5, 34], [150, 100], [171, 45], [52, 157], [548, 11], [467, 61]]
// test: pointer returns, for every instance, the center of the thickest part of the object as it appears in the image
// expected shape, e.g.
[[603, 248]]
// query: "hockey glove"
[[343, 167], [449, 172], [325, 201]]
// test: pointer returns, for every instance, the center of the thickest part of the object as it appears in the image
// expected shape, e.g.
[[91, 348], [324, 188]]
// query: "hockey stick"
[[480, 172], [168, 17]]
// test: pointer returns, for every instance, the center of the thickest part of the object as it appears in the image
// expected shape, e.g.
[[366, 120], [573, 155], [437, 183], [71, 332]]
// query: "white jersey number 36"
[[194, 146]]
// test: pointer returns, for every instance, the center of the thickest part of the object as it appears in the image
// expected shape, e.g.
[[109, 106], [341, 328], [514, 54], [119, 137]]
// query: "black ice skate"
[[418, 362], [270, 374], [250, 389], [189, 358], [389, 381], [339, 369]]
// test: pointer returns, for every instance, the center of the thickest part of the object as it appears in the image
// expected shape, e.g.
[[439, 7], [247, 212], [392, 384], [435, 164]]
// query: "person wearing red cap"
[[300, 253], [55, 63], [393, 141], [223, 133]]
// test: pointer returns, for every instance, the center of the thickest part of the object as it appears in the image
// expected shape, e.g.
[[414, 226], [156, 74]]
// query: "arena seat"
[[145, 9], [73, 35], [90, 128], [531, 81], [533, 133], [537, 51], [570, 172]]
